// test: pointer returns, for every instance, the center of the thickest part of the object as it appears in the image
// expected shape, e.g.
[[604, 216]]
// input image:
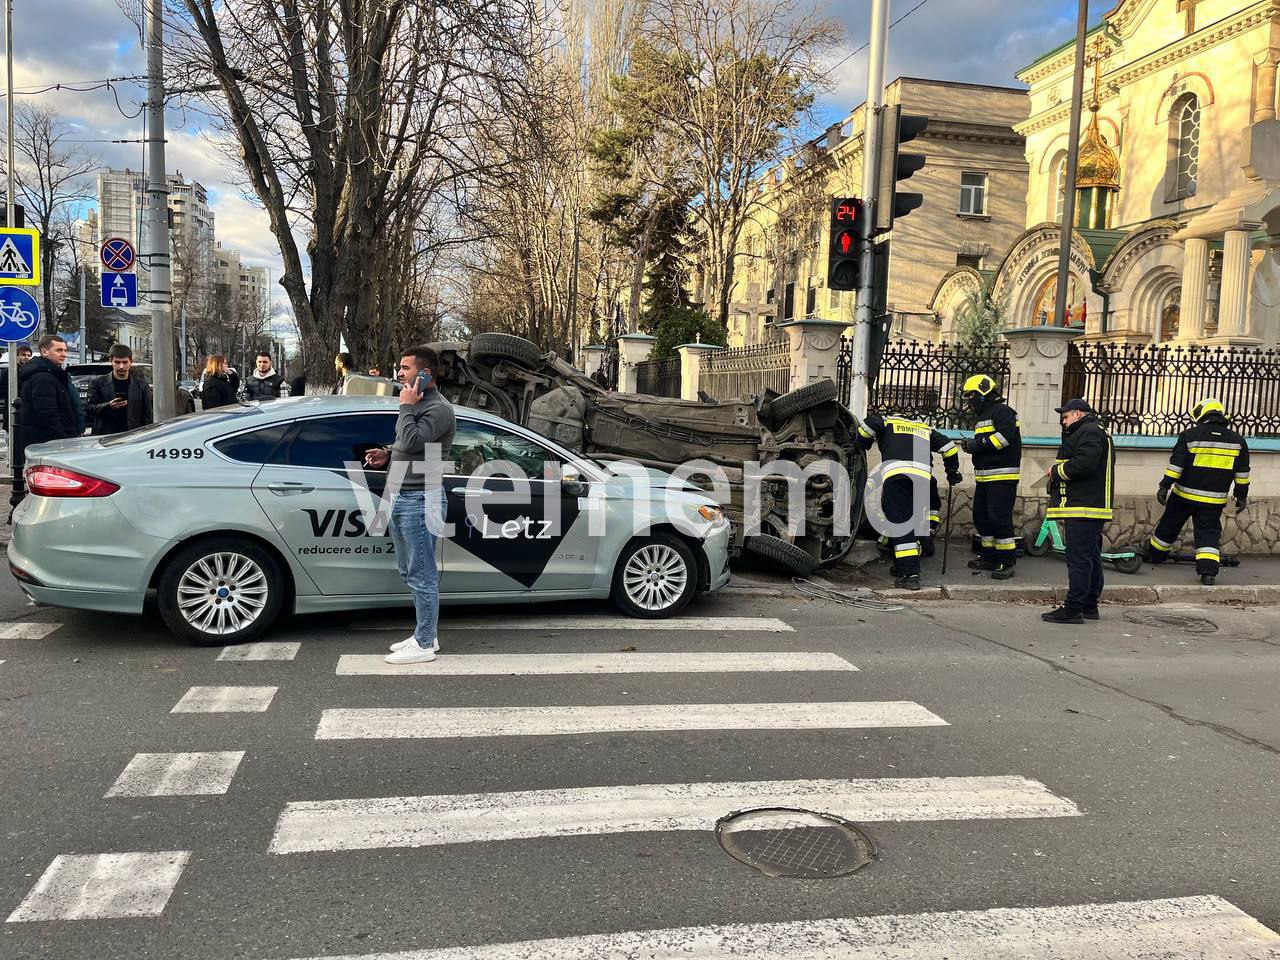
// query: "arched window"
[[1057, 185], [1169, 315], [1184, 125]]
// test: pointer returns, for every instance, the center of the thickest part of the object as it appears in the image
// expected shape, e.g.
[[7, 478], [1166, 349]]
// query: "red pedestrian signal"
[[844, 257]]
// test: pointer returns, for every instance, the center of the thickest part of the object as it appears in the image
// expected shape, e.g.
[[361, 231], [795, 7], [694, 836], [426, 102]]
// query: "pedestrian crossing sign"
[[19, 257]]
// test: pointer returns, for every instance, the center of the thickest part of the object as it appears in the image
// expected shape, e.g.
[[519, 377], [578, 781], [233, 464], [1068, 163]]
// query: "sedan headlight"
[[710, 514]]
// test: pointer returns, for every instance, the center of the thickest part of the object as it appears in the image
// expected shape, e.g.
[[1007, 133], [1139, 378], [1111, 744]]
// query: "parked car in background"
[[83, 374], [192, 387]]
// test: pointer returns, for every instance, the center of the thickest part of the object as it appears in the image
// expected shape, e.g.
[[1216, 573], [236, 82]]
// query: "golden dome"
[[1098, 165]]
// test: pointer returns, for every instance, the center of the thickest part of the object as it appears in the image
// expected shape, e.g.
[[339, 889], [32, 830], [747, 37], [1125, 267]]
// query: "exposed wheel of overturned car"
[[223, 590], [801, 399], [790, 557], [656, 577], [489, 348]]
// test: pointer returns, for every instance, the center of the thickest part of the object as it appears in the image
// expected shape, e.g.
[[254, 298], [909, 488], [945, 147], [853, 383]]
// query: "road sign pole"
[[158, 215], [82, 329], [12, 399], [860, 387]]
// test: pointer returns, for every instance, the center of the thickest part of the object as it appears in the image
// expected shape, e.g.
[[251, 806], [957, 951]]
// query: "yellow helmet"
[[980, 384], [1206, 406]]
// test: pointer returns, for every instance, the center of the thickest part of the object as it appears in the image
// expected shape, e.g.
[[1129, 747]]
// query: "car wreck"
[[792, 433]]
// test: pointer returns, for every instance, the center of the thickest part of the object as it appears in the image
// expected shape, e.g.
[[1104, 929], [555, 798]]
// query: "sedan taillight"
[[60, 482]]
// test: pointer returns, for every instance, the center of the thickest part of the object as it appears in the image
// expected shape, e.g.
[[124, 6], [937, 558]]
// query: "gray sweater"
[[428, 421]]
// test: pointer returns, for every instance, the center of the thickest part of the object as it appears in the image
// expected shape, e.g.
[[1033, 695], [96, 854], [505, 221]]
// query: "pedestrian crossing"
[[139, 886]]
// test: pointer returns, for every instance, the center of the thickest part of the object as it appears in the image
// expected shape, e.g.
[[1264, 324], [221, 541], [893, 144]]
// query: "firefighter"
[[996, 448], [906, 451], [1207, 459]]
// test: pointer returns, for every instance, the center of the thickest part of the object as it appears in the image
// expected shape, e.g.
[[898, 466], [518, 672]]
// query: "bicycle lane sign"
[[19, 314]]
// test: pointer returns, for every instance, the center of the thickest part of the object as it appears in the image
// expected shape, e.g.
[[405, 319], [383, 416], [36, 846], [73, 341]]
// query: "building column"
[[1233, 307], [815, 350], [1264, 105], [633, 348], [1195, 288], [691, 356]]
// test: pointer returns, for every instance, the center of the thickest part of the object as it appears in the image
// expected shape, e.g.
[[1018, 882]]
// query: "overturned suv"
[[770, 436]]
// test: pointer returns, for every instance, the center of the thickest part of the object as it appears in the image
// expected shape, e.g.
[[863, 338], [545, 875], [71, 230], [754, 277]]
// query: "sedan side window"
[[331, 442], [253, 446], [475, 444]]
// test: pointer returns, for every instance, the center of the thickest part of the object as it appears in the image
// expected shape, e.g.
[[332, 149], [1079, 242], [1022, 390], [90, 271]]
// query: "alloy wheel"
[[222, 593], [655, 577]]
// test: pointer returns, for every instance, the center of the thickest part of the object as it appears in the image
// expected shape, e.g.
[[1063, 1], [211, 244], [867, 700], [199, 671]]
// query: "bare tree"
[[53, 175]]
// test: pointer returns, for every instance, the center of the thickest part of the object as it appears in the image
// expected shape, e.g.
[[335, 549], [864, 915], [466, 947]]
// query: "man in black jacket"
[[1207, 459], [996, 448], [264, 383], [906, 453], [120, 400], [1081, 492], [45, 411]]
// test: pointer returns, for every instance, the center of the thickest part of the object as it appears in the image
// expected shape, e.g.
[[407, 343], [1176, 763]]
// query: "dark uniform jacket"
[[1206, 460], [997, 443], [138, 413], [898, 439], [45, 408], [1084, 474]]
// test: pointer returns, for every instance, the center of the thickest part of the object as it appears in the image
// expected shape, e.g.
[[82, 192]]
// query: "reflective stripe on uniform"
[[1006, 543], [985, 426], [950, 450], [862, 430], [935, 518], [996, 473], [906, 468], [1208, 553], [1079, 513], [1161, 545], [1173, 471], [1199, 496], [1203, 445], [907, 550], [1060, 468], [998, 441], [988, 541], [1242, 479]]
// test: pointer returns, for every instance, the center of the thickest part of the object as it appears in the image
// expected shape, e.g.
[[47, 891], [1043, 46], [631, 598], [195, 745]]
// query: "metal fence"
[[1150, 390], [924, 380], [747, 371], [659, 378]]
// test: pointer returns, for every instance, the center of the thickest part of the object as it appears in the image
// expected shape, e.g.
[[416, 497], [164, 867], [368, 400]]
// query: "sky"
[[72, 41]]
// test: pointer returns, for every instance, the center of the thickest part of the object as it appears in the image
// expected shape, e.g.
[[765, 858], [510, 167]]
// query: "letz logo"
[[521, 528]]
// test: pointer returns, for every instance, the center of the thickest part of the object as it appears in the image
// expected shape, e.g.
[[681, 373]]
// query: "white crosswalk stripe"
[[1182, 929], [177, 774], [103, 886], [572, 624], [225, 700], [436, 723], [27, 630], [547, 664], [260, 651], [485, 817]]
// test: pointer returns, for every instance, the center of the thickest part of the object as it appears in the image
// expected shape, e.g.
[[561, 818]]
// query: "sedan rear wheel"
[[655, 577], [221, 591]]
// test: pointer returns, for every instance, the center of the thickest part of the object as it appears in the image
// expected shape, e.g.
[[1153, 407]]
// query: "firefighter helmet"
[[1206, 406], [981, 384]]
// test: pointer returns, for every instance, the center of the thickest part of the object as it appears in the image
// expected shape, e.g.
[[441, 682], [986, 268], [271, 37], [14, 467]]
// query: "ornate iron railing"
[[1151, 390], [659, 378], [746, 371], [924, 380]]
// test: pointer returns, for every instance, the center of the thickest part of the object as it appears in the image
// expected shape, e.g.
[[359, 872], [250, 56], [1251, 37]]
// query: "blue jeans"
[[416, 556]]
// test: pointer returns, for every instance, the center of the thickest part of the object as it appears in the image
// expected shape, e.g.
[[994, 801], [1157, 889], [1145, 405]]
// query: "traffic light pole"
[[12, 399], [158, 218], [864, 317], [1069, 186]]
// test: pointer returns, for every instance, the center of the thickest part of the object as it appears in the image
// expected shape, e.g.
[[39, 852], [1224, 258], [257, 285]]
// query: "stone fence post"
[[592, 358], [815, 350], [633, 348], [1037, 367], [691, 355]]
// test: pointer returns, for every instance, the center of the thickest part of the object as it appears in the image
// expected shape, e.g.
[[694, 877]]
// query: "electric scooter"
[[1050, 538]]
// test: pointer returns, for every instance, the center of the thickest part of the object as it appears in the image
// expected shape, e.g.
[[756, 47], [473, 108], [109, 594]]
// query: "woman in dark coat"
[[216, 390]]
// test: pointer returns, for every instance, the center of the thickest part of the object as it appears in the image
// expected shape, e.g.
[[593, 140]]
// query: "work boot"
[[1062, 615], [1091, 613], [982, 563], [1002, 573], [895, 572], [1208, 579], [909, 582]]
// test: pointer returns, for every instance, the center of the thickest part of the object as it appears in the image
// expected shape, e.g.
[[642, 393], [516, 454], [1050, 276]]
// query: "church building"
[[1177, 228]]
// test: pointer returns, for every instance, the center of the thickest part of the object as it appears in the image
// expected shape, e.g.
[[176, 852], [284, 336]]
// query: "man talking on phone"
[[424, 434]]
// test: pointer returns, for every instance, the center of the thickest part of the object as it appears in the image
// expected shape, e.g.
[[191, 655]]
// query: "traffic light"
[[19, 214], [844, 258], [897, 128]]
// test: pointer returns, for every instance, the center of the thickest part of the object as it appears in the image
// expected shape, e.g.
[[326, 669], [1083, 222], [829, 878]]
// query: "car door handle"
[[462, 492], [288, 489]]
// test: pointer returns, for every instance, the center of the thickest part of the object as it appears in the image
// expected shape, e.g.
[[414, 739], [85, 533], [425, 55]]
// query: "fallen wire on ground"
[[866, 599]]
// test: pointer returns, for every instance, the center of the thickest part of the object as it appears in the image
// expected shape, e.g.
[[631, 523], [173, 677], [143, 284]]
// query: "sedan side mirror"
[[571, 484]]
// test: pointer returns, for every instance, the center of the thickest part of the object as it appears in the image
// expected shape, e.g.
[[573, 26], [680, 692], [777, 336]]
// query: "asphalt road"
[[1155, 748]]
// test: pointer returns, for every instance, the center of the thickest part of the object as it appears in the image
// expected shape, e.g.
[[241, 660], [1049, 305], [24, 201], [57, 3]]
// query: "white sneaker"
[[408, 642], [414, 654]]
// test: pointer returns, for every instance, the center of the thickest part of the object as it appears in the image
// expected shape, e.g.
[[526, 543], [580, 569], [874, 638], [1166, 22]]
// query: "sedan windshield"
[[158, 431]]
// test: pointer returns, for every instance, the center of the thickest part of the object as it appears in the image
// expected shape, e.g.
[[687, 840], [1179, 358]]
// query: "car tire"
[[243, 565], [795, 560], [489, 348], [798, 401], [663, 554]]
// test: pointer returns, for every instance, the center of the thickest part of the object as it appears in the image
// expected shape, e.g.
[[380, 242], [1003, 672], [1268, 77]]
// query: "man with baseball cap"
[[1081, 492]]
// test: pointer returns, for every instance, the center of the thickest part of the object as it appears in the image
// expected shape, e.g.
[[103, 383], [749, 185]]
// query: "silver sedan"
[[231, 518]]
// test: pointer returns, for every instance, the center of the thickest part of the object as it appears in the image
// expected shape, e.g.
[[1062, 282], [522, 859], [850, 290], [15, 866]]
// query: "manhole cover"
[[780, 842], [1172, 621]]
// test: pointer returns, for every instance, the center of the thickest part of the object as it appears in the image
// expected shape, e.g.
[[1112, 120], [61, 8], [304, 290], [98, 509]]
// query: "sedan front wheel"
[[655, 577]]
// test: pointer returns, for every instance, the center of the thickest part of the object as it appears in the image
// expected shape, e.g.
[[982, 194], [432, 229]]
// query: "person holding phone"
[[424, 436], [120, 400]]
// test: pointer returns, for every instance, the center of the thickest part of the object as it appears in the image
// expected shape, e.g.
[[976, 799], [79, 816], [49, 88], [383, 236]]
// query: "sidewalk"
[[1038, 580]]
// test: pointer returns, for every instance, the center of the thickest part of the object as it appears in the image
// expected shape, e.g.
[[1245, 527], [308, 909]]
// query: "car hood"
[[657, 485]]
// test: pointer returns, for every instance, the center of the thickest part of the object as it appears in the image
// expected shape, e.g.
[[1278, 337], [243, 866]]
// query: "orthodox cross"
[[1097, 54], [1189, 8]]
